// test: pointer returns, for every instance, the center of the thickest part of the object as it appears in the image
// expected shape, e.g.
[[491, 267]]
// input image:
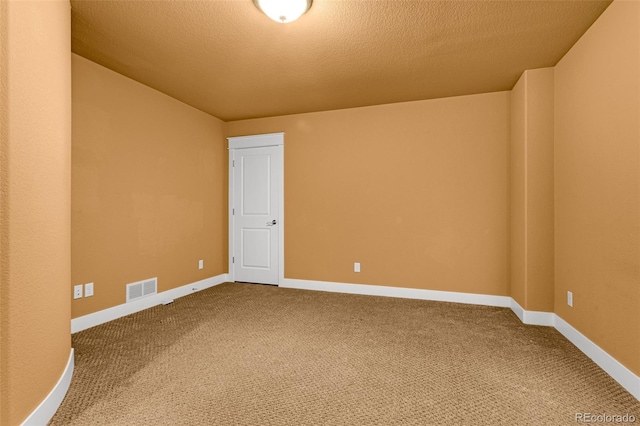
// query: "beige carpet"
[[242, 354]]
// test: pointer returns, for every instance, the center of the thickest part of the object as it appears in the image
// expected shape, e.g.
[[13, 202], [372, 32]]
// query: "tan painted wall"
[[540, 237], [149, 188], [517, 282], [35, 205], [532, 190], [597, 183], [416, 192]]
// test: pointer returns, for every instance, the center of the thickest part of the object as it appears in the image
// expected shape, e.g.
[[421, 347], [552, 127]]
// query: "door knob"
[[271, 223]]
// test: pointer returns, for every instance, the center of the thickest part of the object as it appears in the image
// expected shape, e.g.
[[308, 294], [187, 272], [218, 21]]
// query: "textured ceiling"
[[226, 58]]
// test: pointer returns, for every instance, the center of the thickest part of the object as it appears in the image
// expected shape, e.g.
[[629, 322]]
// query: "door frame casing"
[[257, 141]]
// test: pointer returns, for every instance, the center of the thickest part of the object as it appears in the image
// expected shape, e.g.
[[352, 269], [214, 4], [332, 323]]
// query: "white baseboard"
[[625, 377], [48, 407], [106, 315], [621, 374], [532, 317], [406, 293], [613, 367]]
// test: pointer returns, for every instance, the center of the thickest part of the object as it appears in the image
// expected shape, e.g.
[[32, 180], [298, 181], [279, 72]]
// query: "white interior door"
[[256, 214]]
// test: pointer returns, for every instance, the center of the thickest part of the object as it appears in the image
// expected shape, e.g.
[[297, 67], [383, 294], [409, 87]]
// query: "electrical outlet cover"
[[77, 291]]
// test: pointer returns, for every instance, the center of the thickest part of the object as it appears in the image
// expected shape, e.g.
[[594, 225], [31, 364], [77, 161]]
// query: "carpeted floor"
[[243, 354]]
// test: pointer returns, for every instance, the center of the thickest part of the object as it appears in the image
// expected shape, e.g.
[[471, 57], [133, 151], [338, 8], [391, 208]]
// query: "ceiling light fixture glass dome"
[[283, 11]]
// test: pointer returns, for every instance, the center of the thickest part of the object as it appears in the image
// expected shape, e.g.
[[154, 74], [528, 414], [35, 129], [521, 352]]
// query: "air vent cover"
[[141, 289]]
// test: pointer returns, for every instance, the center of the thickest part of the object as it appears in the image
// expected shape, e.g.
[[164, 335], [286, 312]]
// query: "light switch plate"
[[200, 264], [356, 267], [88, 290]]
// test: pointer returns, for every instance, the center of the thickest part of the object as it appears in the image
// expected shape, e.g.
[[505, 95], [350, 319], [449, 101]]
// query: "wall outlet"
[[77, 291], [356, 267], [570, 299], [88, 290], [200, 264]]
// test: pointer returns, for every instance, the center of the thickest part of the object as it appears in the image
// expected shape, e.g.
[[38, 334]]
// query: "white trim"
[[115, 312], [230, 214], [621, 374], [48, 407], [281, 218], [407, 293], [517, 309], [256, 141], [539, 318], [531, 317]]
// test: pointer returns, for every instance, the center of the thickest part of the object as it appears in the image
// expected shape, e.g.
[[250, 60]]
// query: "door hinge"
[[233, 163], [233, 260], [233, 212]]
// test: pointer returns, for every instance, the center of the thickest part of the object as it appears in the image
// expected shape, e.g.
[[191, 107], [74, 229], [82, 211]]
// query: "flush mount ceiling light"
[[283, 10]]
